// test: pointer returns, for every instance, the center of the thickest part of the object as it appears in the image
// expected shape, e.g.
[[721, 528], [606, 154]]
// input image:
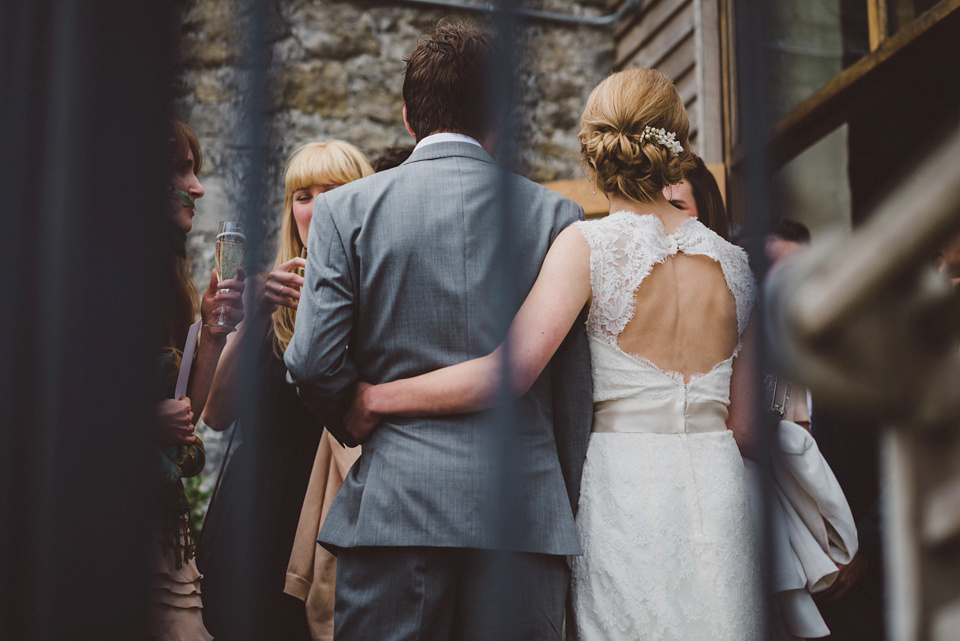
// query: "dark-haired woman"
[[175, 581], [699, 196]]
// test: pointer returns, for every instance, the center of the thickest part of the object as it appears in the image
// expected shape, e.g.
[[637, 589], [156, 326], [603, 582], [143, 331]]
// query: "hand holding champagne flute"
[[229, 259]]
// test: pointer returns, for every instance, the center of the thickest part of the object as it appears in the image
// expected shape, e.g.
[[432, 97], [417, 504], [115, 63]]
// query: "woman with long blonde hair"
[[287, 433]]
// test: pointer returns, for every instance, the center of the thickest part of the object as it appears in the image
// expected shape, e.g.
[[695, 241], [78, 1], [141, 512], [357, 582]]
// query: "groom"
[[401, 279]]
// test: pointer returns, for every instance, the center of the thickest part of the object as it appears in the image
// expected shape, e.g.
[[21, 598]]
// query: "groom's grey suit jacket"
[[401, 279]]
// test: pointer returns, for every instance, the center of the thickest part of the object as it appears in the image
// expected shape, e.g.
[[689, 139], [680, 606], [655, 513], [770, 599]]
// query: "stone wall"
[[336, 71]]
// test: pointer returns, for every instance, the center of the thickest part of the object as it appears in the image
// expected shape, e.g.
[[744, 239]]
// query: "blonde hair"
[[317, 163], [621, 160]]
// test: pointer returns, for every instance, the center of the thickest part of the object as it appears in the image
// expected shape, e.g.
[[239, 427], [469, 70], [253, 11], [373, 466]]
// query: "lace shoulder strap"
[[696, 238], [598, 236], [620, 257], [736, 269], [624, 248]]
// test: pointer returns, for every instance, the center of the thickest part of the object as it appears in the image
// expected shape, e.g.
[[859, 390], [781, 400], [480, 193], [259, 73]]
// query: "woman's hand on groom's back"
[[360, 420]]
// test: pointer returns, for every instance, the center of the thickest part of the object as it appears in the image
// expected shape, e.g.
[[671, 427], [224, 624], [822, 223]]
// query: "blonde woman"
[[669, 549], [252, 520]]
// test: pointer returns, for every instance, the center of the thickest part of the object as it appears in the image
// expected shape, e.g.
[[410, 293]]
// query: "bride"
[[669, 549]]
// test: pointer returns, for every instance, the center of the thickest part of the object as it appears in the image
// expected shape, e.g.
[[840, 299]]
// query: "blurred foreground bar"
[[878, 331], [83, 104]]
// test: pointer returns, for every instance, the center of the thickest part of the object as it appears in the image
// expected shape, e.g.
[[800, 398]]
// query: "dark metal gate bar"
[[243, 620], [753, 121], [503, 605]]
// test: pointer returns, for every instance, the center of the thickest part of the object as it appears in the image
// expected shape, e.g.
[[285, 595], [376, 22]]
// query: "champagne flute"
[[303, 255], [229, 258]]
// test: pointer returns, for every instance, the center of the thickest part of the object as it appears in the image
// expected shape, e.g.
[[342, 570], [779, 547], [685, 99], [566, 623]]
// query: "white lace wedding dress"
[[669, 546]]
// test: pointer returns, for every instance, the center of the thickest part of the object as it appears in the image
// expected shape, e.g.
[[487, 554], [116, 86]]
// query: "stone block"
[[197, 50], [314, 87], [332, 30]]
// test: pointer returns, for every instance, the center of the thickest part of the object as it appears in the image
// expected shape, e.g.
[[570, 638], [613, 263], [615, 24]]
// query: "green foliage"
[[198, 490]]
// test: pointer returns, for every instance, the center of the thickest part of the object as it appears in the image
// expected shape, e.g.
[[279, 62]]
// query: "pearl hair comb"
[[666, 138]]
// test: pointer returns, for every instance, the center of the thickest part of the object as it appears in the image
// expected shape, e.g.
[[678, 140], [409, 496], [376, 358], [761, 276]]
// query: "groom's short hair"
[[449, 82]]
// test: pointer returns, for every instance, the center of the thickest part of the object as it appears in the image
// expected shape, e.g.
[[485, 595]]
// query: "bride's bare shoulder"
[[572, 241]]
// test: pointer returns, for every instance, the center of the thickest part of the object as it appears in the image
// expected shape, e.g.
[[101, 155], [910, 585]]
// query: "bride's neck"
[[660, 207]]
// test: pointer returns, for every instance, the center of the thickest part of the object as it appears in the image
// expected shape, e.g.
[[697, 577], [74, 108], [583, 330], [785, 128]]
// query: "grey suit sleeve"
[[317, 359], [572, 390]]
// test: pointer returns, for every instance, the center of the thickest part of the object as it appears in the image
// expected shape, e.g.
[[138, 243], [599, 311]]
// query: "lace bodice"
[[624, 248]]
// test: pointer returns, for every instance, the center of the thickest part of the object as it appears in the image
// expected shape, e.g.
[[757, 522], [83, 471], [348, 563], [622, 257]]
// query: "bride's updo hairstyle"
[[622, 159]]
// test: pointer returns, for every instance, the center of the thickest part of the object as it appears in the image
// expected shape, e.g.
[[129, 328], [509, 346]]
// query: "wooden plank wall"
[[681, 38]]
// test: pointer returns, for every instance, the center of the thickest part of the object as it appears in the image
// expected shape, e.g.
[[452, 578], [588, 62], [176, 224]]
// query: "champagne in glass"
[[229, 257], [303, 255]]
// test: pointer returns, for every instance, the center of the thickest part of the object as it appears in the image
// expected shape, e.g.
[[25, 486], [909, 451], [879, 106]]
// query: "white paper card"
[[186, 363]]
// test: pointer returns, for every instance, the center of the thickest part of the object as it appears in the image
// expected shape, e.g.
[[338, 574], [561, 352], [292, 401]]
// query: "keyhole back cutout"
[[685, 317]]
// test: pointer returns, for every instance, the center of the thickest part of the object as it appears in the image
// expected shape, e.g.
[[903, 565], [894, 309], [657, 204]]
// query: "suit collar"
[[447, 136], [448, 150]]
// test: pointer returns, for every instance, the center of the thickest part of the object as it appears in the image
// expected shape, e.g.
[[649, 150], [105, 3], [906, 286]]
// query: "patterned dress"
[[175, 580]]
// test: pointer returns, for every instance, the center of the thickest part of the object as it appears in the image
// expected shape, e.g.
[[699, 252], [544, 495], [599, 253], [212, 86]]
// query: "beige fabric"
[[176, 607], [178, 624], [641, 416], [312, 571], [797, 409]]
